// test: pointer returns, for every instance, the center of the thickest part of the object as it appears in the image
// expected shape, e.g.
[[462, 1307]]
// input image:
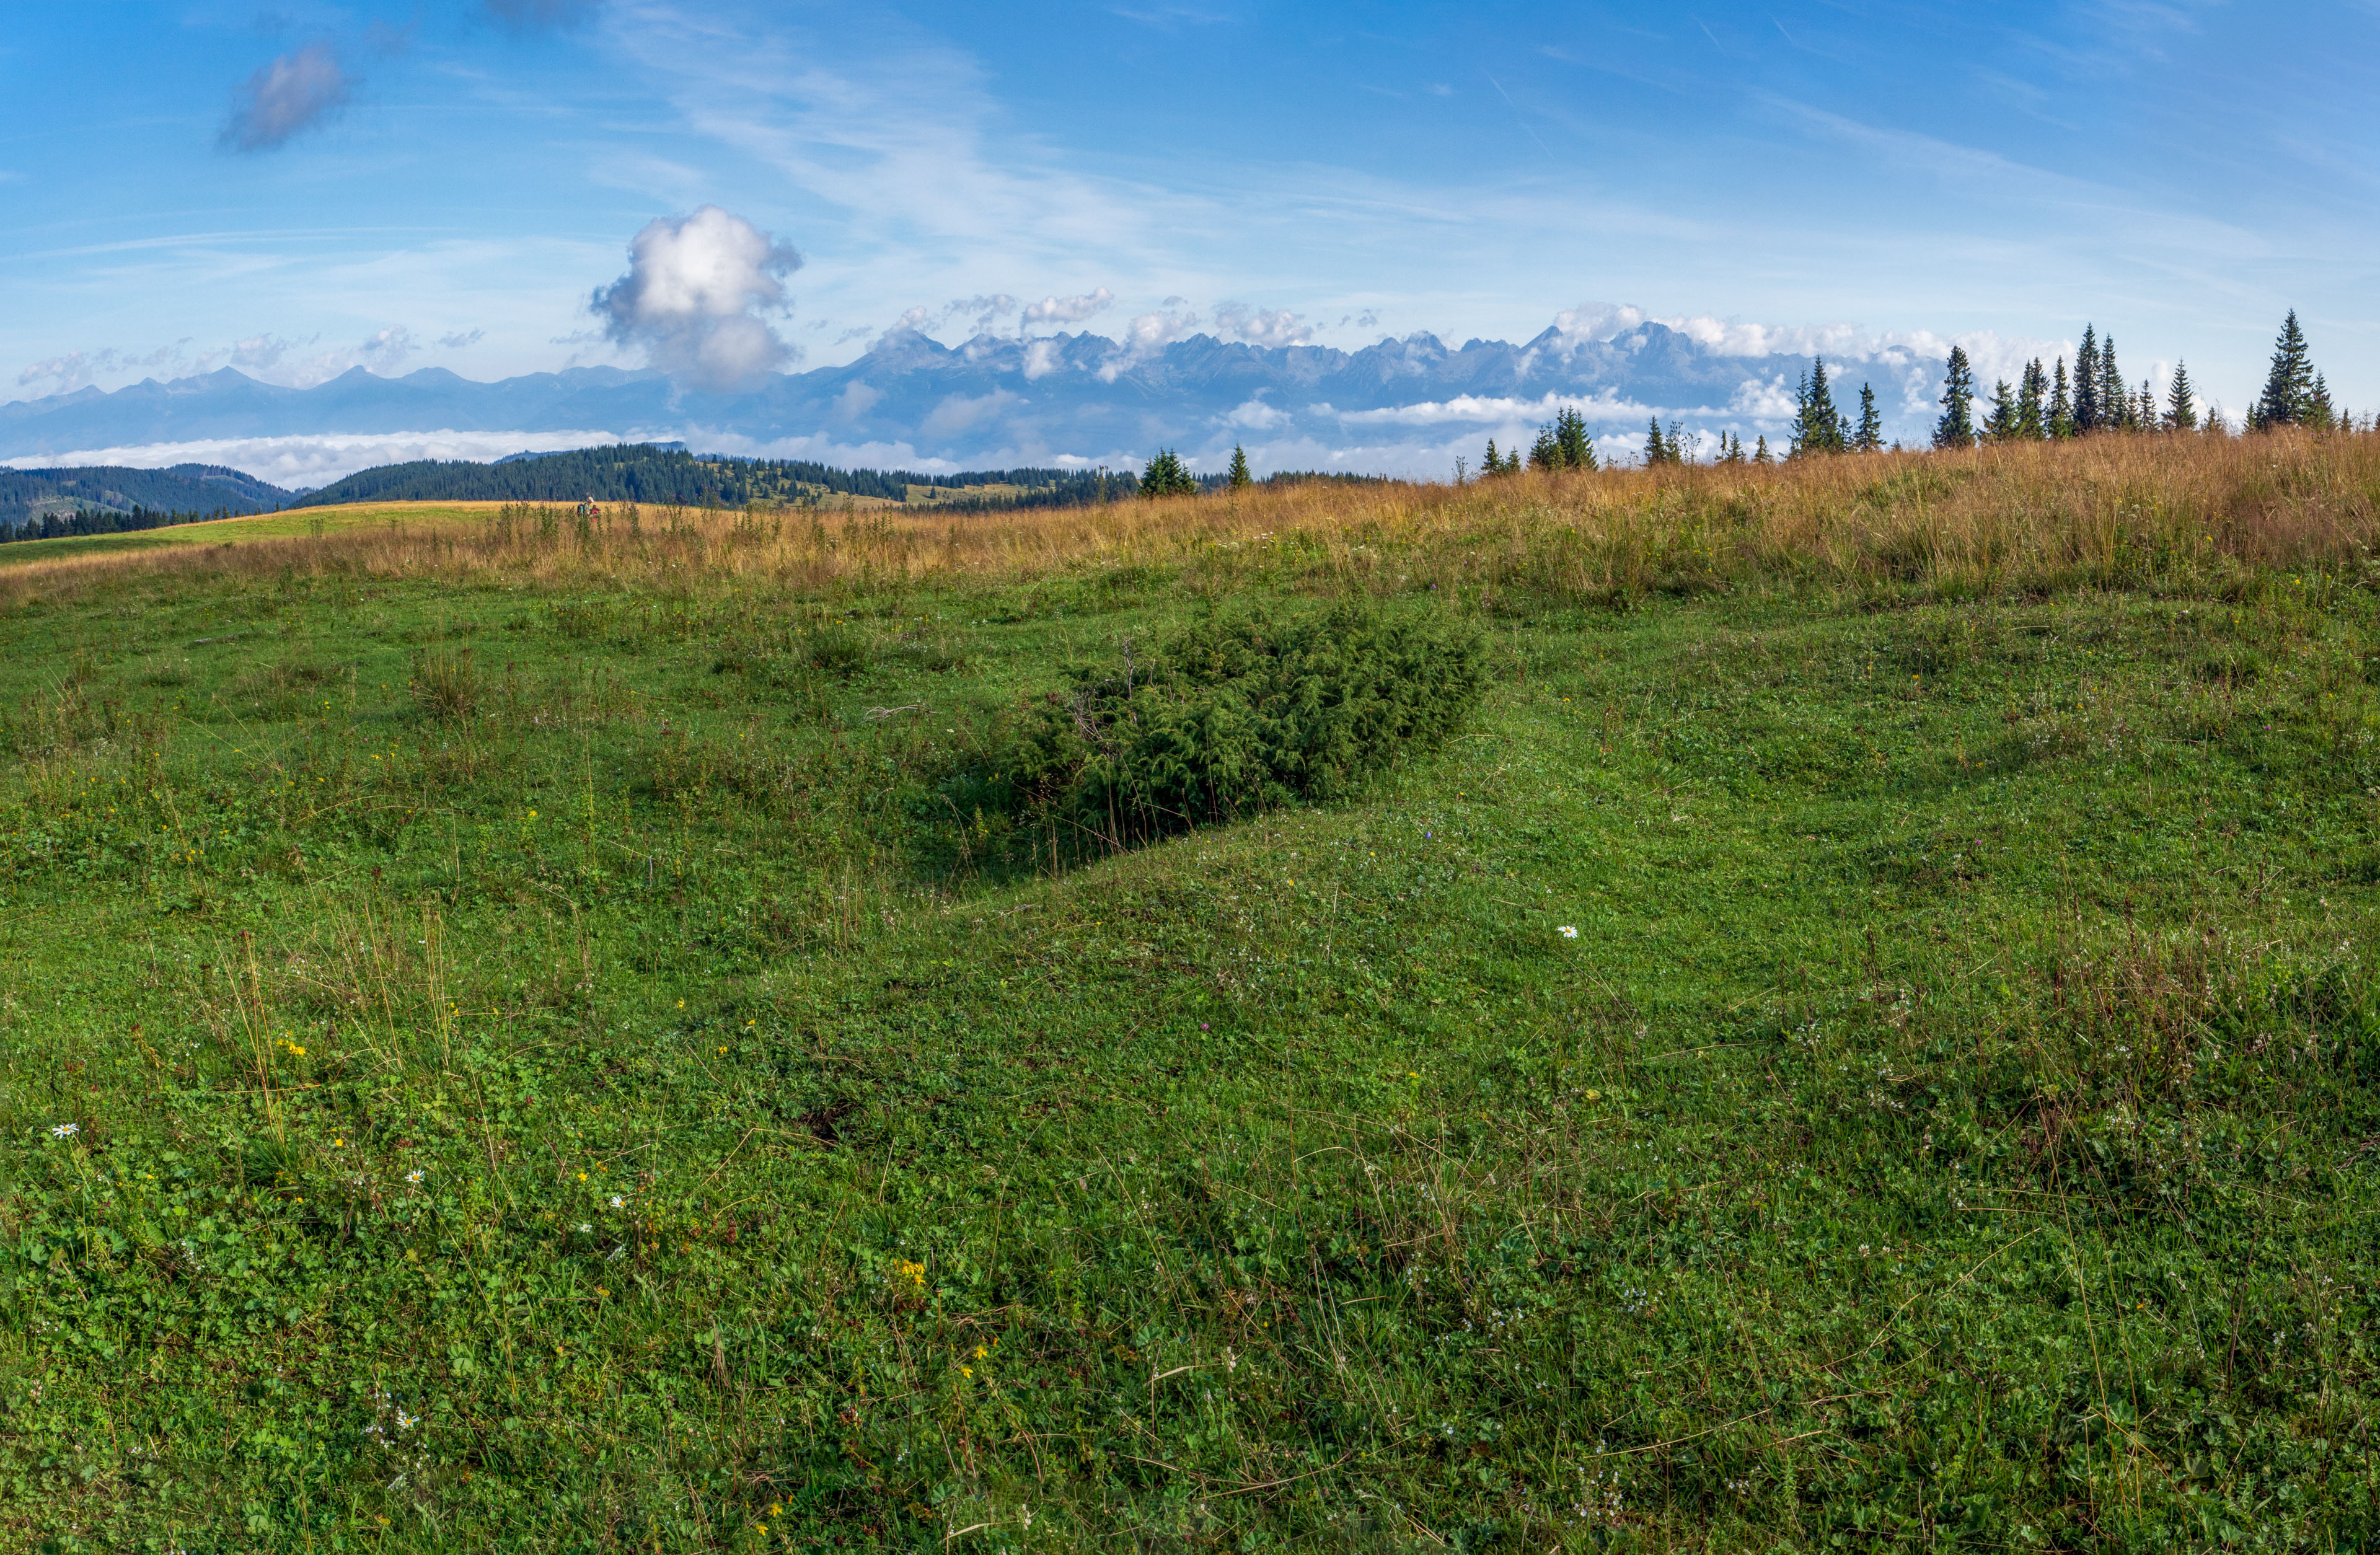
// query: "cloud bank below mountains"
[[305, 461]]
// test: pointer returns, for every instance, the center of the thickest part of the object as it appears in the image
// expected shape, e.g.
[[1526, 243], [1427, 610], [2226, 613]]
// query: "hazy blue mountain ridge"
[[1000, 401]]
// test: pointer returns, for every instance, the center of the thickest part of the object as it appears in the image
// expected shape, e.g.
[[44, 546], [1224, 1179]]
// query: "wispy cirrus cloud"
[[70, 371], [933, 187], [293, 94], [984, 310]]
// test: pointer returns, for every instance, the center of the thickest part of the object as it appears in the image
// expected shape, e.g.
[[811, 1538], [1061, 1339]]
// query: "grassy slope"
[[314, 521], [1949, 1121], [297, 522]]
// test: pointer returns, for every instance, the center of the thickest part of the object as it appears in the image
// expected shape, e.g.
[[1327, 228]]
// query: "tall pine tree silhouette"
[[2289, 387], [1956, 427], [2087, 383], [2033, 417], [2114, 400], [1871, 425], [1569, 434], [2181, 402], [1238, 476], [2001, 425], [1656, 451], [2061, 407], [1817, 424]]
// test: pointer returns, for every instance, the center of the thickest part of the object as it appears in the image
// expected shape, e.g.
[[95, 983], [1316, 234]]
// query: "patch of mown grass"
[[498, 1070]]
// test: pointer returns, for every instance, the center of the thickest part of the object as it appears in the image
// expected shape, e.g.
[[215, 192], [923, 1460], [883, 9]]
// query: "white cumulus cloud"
[[1041, 359], [386, 351], [1068, 310], [694, 295], [1256, 416], [959, 413], [1153, 331], [1237, 321]]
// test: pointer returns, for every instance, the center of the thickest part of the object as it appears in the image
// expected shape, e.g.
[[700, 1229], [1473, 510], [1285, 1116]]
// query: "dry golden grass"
[[2108, 511]]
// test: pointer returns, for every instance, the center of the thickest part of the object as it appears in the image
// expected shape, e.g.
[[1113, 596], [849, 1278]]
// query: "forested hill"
[[647, 473], [29, 496]]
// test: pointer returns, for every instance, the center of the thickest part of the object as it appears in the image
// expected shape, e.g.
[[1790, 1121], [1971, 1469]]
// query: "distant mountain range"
[[1064, 401]]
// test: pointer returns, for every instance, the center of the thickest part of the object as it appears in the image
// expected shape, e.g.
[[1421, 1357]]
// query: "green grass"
[[294, 523], [557, 1072]]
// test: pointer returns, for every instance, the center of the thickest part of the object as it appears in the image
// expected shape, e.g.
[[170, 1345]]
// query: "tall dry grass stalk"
[[2186, 512]]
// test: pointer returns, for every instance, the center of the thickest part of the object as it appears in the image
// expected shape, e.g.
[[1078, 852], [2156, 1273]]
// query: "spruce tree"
[[2320, 414], [1870, 438], [1562, 443], [2061, 409], [2289, 388], [2087, 383], [2114, 400], [1238, 475], [2180, 402], [2032, 417], [1656, 451], [1167, 477], [1491, 462], [1761, 456], [1817, 424], [2001, 425], [1956, 427]]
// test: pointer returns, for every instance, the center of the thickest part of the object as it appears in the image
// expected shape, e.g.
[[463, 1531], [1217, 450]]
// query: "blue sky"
[[2176, 173]]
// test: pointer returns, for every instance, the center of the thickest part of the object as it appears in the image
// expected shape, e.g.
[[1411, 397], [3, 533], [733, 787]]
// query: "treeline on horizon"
[[651, 475], [2044, 405], [107, 521], [110, 499], [654, 476]]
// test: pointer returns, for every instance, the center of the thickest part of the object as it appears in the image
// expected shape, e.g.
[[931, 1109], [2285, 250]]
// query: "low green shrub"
[[1239, 713]]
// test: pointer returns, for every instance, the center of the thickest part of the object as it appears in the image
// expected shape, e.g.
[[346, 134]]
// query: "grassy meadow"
[[521, 1036]]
